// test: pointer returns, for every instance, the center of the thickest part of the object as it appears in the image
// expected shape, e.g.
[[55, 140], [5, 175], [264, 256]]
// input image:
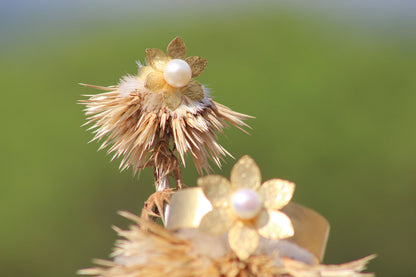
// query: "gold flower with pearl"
[[172, 74], [246, 208]]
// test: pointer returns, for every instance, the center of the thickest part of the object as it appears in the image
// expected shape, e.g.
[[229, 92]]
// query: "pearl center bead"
[[245, 203], [177, 73]]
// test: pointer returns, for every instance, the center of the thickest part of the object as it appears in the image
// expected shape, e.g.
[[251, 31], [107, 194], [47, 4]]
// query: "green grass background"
[[335, 110]]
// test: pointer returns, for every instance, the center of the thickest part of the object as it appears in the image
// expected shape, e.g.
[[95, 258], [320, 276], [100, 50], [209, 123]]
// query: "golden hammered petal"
[[276, 193], [144, 71], [176, 49], [216, 188], [193, 90], [245, 173], [172, 97], [155, 81], [243, 240], [216, 222], [156, 58], [197, 65], [278, 227]]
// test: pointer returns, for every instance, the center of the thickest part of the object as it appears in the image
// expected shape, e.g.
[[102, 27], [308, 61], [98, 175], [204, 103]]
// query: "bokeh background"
[[332, 85]]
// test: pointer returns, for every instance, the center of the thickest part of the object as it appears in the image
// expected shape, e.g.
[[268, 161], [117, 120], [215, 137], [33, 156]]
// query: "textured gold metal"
[[311, 229], [243, 240], [245, 173], [176, 49], [188, 206], [156, 58], [186, 209], [216, 222], [197, 65], [155, 81], [276, 193], [216, 188], [193, 90], [172, 97], [269, 222], [144, 71], [278, 226]]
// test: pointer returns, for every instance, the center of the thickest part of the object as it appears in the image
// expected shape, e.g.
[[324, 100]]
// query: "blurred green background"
[[333, 95]]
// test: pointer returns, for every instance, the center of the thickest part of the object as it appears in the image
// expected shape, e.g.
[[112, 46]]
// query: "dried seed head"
[[147, 249], [132, 117]]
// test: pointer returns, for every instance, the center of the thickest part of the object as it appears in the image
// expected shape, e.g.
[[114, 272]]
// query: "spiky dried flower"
[[151, 250], [137, 115]]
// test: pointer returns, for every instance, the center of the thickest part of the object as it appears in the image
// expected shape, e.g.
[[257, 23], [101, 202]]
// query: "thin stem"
[[165, 164]]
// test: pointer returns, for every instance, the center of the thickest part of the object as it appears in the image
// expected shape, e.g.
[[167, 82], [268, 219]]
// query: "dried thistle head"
[[147, 249], [162, 103]]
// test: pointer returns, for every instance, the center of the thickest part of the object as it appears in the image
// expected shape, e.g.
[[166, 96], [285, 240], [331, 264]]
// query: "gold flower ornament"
[[246, 208], [172, 74]]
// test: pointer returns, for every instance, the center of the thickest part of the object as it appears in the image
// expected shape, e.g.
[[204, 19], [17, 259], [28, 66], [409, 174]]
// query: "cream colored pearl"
[[177, 73], [245, 203]]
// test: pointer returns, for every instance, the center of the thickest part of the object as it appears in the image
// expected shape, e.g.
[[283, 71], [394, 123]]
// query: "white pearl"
[[245, 203], [177, 73]]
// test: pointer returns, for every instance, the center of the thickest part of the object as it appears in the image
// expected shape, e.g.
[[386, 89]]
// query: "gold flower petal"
[[156, 58], [172, 97], [193, 90], [243, 240], [278, 227], [144, 71], [216, 222], [197, 65], [176, 49], [276, 193], [245, 173], [216, 188], [155, 81]]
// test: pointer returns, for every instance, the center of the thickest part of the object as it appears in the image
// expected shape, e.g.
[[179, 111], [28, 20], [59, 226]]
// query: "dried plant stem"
[[165, 164]]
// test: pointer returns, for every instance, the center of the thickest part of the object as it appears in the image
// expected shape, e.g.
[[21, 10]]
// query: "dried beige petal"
[[278, 227], [197, 65], [172, 97], [156, 58], [176, 49], [243, 240], [144, 71], [155, 81], [216, 222], [245, 173], [193, 90], [276, 193], [216, 188]]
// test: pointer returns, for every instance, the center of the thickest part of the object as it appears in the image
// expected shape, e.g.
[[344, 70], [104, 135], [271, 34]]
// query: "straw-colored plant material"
[[154, 205], [351, 269], [165, 164], [149, 249], [231, 266], [134, 116]]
